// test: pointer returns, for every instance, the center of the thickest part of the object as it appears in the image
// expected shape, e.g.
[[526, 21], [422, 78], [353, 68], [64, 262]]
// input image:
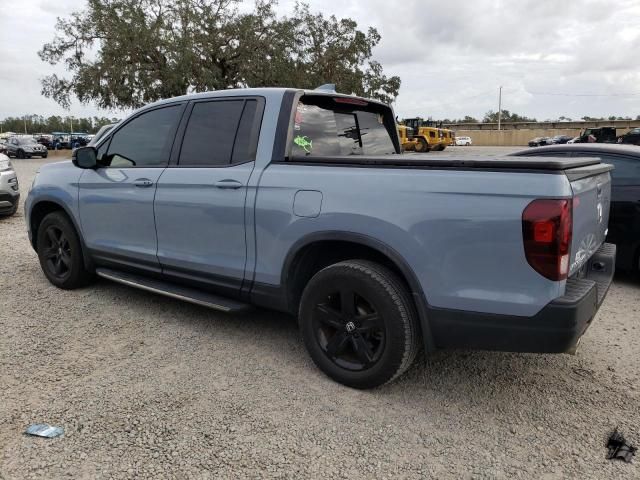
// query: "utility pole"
[[25, 124], [499, 106]]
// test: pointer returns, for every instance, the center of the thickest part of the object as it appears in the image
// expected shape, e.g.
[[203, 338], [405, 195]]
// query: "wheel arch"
[[316, 251], [44, 207]]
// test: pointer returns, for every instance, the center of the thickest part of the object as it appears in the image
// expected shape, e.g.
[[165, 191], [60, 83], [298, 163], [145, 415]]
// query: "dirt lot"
[[150, 387]]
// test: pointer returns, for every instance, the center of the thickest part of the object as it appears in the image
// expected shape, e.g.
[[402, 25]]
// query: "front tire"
[[422, 146], [359, 324], [20, 154], [60, 252]]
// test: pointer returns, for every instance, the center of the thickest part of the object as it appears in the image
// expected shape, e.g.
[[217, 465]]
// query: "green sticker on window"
[[304, 143]]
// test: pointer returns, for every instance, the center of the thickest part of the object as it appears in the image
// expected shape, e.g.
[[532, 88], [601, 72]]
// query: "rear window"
[[324, 127]]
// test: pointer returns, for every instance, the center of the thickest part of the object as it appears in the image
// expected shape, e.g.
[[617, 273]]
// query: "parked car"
[[25, 147], [560, 139], [631, 137], [624, 220], [79, 140], [466, 141], [539, 141], [3, 146], [61, 140], [306, 206], [9, 188], [45, 141], [598, 135]]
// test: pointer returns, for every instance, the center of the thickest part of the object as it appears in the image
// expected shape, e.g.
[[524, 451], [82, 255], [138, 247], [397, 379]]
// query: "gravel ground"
[[149, 387]]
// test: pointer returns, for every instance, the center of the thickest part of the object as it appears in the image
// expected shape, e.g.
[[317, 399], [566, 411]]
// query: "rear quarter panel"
[[459, 231]]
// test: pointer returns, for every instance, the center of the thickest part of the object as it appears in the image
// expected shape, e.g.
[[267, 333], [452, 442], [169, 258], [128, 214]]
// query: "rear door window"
[[324, 127], [208, 139], [221, 132]]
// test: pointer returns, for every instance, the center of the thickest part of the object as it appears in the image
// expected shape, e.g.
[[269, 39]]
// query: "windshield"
[[101, 133], [328, 126], [26, 141]]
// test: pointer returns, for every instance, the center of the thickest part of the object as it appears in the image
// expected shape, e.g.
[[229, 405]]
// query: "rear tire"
[[359, 324], [60, 252]]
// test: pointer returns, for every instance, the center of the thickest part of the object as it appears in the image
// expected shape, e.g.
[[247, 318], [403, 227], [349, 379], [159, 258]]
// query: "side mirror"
[[85, 157]]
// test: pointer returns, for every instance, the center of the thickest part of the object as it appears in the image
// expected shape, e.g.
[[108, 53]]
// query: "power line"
[[585, 94]]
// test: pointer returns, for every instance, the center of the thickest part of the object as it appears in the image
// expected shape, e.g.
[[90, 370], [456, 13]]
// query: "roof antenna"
[[327, 87]]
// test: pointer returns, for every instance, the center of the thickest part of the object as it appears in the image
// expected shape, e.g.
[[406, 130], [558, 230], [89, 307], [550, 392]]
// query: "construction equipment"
[[427, 134], [409, 142]]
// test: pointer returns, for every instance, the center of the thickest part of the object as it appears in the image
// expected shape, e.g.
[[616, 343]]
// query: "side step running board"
[[187, 294]]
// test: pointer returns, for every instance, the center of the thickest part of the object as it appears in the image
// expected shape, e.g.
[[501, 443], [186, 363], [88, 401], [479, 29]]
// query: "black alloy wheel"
[[349, 329], [60, 252], [57, 253], [358, 323]]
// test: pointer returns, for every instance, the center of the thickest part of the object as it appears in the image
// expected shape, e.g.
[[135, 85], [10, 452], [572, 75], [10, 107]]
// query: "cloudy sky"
[[572, 58]]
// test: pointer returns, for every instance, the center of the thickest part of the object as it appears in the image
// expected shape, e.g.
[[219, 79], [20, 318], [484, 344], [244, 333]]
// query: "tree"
[[492, 117], [125, 53], [54, 123]]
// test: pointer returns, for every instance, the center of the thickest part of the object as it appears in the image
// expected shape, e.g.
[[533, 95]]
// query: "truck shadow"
[[460, 379]]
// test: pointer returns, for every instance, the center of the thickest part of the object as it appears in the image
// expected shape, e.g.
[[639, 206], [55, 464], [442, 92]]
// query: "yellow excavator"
[[418, 135]]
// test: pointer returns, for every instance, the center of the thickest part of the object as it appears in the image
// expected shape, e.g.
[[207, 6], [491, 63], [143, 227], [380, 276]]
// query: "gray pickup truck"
[[300, 201]]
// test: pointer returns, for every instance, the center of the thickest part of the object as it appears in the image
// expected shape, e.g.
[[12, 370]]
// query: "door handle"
[[228, 183], [142, 182]]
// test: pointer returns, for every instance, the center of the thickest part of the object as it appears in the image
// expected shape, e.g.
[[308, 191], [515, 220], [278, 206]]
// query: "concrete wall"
[[514, 134], [512, 137]]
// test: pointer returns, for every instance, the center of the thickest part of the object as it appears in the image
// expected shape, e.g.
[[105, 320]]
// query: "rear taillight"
[[546, 230]]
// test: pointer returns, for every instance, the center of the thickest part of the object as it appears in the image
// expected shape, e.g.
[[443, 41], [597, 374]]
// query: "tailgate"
[[591, 187]]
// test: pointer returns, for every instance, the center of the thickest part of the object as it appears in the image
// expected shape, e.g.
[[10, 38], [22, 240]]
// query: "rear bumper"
[[556, 328], [8, 202], [9, 191]]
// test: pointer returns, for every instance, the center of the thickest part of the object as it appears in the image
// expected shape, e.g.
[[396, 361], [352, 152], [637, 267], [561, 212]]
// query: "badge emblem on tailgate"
[[599, 208], [588, 247]]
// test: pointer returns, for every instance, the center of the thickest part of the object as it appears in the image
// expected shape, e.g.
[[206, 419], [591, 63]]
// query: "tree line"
[[55, 123], [126, 53], [509, 117]]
